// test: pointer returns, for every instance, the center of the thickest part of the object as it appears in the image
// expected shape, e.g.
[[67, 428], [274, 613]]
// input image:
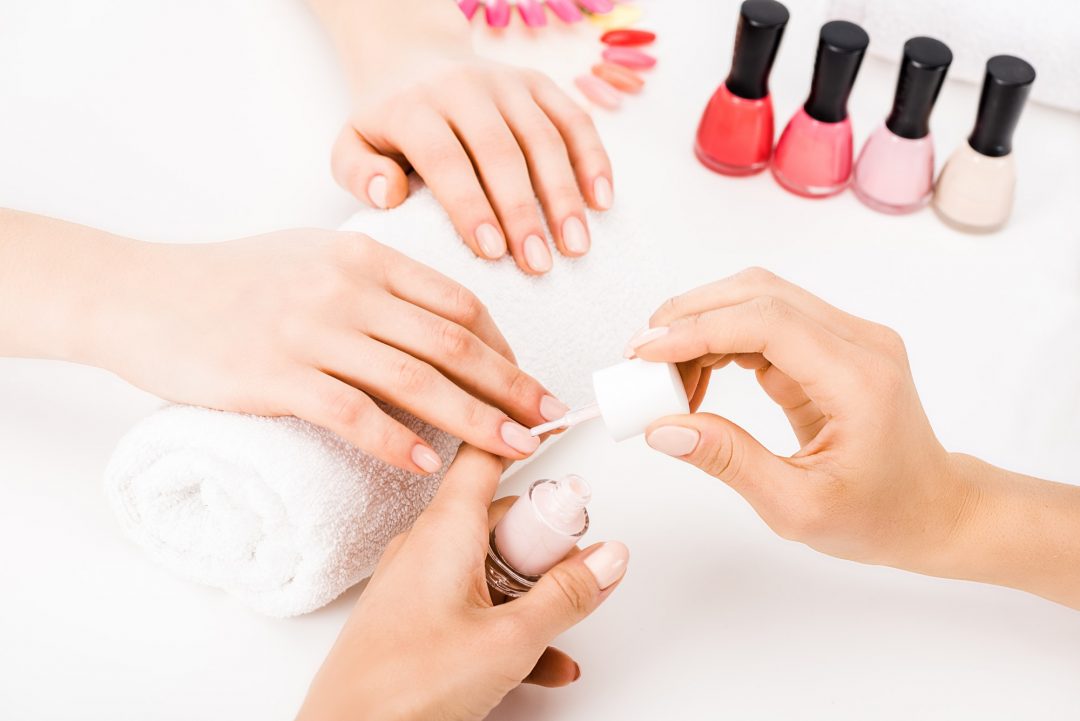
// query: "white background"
[[212, 119]]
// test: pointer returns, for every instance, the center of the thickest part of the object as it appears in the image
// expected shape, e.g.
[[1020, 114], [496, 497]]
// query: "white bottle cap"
[[634, 393]]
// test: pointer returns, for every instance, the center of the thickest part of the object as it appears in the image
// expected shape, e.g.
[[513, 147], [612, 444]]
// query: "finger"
[[463, 358], [417, 387], [803, 414], [505, 176], [587, 155], [436, 154], [341, 408], [468, 487], [570, 591], [549, 168], [553, 669], [802, 348], [369, 175], [702, 387]]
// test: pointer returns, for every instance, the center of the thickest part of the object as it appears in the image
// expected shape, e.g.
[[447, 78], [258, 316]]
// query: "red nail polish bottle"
[[813, 157], [735, 136]]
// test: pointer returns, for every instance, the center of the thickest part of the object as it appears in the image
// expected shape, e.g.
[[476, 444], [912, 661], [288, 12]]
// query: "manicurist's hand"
[[425, 642], [870, 481], [488, 139]]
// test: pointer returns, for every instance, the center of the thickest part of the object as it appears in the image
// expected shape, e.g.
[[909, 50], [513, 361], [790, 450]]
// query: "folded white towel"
[[287, 516]]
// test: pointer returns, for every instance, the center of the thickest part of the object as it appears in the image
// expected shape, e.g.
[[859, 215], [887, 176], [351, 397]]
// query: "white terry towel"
[[287, 516]]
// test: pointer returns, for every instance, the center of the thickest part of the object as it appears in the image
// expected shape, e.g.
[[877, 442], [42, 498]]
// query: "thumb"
[[721, 449], [571, 590], [369, 175]]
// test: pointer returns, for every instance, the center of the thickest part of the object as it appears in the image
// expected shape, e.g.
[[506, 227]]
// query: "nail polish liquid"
[[813, 156], [536, 533], [735, 135], [974, 192], [895, 170]]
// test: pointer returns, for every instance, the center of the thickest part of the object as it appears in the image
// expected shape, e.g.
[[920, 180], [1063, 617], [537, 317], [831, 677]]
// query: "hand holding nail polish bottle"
[[895, 170], [975, 189], [735, 136], [813, 156]]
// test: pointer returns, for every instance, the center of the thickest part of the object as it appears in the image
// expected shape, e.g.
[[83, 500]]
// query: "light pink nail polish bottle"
[[895, 170], [536, 533]]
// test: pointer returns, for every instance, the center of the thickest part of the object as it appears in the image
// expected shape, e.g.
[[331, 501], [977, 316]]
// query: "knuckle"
[[521, 210], [520, 385], [757, 275], [455, 341], [465, 307], [411, 376], [575, 593], [347, 408], [771, 310], [721, 459], [476, 414]]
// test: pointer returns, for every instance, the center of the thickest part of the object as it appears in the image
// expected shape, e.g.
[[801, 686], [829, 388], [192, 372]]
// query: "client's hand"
[[316, 324], [425, 641]]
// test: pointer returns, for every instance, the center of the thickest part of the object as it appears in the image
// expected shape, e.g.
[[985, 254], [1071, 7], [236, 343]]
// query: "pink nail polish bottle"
[[536, 533], [813, 157], [895, 170]]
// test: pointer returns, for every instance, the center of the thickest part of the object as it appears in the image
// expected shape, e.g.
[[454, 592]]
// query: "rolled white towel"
[[287, 516]]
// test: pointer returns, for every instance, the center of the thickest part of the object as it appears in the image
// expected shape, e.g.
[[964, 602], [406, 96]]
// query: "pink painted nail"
[[574, 235], [598, 91], [628, 57], [426, 458], [518, 438], [643, 336], [490, 240], [532, 12], [497, 13], [376, 191], [552, 408], [607, 564], [537, 255], [565, 10], [469, 7], [675, 441], [597, 6], [603, 195]]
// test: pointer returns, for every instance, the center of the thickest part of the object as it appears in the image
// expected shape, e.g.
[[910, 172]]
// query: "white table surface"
[[213, 118]]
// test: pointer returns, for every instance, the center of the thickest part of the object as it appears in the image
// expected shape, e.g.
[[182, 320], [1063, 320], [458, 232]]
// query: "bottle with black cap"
[[895, 170], [975, 189], [813, 157], [735, 136]]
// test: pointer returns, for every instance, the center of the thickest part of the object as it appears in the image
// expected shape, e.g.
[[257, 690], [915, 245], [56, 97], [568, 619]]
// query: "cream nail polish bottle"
[[536, 533], [974, 192], [629, 396]]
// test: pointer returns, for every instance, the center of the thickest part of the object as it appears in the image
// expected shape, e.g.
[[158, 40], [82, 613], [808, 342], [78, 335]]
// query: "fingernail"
[[675, 441], [426, 458], [574, 235], [608, 563], [643, 336], [552, 408], [537, 255], [490, 240], [376, 191], [603, 195], [518, 438], [577, 672]]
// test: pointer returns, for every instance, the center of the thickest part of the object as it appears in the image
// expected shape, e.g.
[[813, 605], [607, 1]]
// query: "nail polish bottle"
[[629, 396], [735, 135], [975, 189], [895, 170], [813, 156], [536, 533]]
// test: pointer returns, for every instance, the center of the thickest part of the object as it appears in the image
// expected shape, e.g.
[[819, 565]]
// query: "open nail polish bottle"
[[813, 156], [536, 533], [895, 170], [629, 396], [735, 136], [975, 189]]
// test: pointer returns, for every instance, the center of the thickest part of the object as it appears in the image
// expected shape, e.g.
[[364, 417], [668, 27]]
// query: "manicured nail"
[[490, 240], [574, 236], [552, 408], [619, 77], [602, 193], [537, 255], [497, 13], [628, 57], [598, 91], [627, 37], [532, 12], [577, 672], [643, 336], [518, 438], [608, 563], [376, 191], [566, 10], [675, 441], [426, 458]]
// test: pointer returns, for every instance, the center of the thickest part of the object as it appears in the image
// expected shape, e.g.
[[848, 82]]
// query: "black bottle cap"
[[839, 53], [761, 25], [1005, 89], [921, 74]]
